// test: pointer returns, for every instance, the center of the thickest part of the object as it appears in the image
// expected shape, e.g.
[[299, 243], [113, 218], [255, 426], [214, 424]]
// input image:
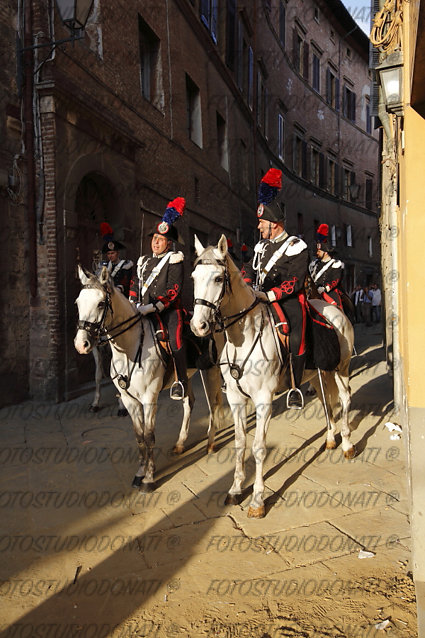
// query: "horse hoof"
[[137, 481], [94, 408], [211, 449], [178, 449], [122, 412], [233, 499], [147, 488], [351, 453], [330, 445], [256, 512]]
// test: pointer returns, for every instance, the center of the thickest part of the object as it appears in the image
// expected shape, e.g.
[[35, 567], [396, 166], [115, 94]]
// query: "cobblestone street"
[[83, 554]]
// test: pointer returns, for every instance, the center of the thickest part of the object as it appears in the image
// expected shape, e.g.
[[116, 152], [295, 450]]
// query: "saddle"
[[201, 352], [322, 345]]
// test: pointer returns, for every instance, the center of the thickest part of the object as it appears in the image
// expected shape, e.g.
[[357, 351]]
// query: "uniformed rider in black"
[[121, 270], [277, 273], [158, 287], [326, 271]]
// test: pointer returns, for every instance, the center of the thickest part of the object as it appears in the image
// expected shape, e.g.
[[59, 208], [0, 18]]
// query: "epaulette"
[[128, 264], [176, 258], [296, 246]]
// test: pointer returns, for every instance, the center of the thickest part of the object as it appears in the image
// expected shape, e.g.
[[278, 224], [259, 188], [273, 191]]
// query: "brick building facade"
[[193, 98]]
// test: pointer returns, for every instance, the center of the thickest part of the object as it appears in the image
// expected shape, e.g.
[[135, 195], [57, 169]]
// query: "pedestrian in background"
[[376, 303], [357, 299], [367, 306]]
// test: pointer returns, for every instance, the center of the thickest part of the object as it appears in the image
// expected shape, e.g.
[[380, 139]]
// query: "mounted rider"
[[277, 273], [326, 270], [121, 270], [158, 287]]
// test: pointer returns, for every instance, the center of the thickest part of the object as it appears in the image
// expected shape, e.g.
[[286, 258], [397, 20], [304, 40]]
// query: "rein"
[[236, 370], [97, 330], [225, 288]]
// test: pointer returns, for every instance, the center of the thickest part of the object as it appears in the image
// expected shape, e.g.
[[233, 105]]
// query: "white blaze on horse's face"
[[91, 307], [208, 284]]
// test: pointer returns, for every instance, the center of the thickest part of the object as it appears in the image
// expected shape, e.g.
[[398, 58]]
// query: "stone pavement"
[[82, 554]]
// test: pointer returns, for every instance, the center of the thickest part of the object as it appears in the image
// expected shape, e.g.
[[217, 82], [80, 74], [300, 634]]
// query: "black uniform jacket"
[[165, 290], [122, 274], [331, 277], [286, 277]]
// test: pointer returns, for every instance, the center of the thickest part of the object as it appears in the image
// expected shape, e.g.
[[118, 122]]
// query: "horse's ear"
[[198, 247], [104, 276], [222, 246], [84, 277]]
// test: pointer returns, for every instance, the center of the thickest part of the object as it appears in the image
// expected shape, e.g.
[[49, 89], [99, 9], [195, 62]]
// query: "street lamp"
[[74, 13], [391, 78]]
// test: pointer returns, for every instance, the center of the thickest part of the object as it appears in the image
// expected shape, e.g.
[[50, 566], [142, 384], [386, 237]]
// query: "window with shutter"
[[208, 10], [282, 23], [306, 60], [316, 73], [150, 65], [304, 173], [230, 33]]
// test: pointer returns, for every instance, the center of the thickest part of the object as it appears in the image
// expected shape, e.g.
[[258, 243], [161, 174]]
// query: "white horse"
[[98, 354], [137, 367], [251, 362], [99, 374]]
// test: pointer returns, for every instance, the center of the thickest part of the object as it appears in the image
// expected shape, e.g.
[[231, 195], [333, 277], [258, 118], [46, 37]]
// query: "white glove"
[[320, 290], [261, 296], [146, 310]]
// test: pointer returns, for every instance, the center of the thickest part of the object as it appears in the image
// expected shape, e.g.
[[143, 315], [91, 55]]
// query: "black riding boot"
[[295, 399], [179, 388]]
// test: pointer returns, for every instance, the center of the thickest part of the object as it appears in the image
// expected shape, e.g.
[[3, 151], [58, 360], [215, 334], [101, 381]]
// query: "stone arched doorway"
[[95, 202]]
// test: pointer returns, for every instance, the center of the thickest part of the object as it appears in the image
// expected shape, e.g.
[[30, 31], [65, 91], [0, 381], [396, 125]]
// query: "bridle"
[[96, 329], [218, 319]]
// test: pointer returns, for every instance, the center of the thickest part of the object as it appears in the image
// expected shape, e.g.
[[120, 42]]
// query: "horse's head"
[[93, 303], [211, 279]]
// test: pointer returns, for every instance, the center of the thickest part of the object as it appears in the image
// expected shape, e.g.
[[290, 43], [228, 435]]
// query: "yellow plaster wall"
[[412, 257]]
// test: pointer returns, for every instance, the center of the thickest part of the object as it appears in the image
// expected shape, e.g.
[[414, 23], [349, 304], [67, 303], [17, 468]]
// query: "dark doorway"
[[95, 202]]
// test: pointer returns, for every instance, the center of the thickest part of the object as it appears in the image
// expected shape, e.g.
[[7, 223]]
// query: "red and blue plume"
[[106, 231], [174, 210], [322, 233], [270, 185]]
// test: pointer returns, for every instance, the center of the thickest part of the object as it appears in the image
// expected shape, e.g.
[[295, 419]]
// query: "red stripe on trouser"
[[302, 300], [179, 330], [328, 298], [282, 318], [335, 302]]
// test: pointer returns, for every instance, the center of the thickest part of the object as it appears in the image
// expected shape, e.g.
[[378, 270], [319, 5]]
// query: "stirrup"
[[297, 395], [177, 391]]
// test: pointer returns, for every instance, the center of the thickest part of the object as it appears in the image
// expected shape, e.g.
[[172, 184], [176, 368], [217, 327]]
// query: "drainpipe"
[[28, 56], [390, 229]]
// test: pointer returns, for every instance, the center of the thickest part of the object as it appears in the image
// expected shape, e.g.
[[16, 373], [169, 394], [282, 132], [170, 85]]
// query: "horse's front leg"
[[212, 384], [94, 406], [263, 410], [238, 408], [149, 410], [136, 413], [188, 403]]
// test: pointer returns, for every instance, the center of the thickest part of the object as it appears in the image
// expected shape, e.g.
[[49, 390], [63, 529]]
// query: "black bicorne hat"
[[108, 237], [165, 227], [268, 207], [322, 237]]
